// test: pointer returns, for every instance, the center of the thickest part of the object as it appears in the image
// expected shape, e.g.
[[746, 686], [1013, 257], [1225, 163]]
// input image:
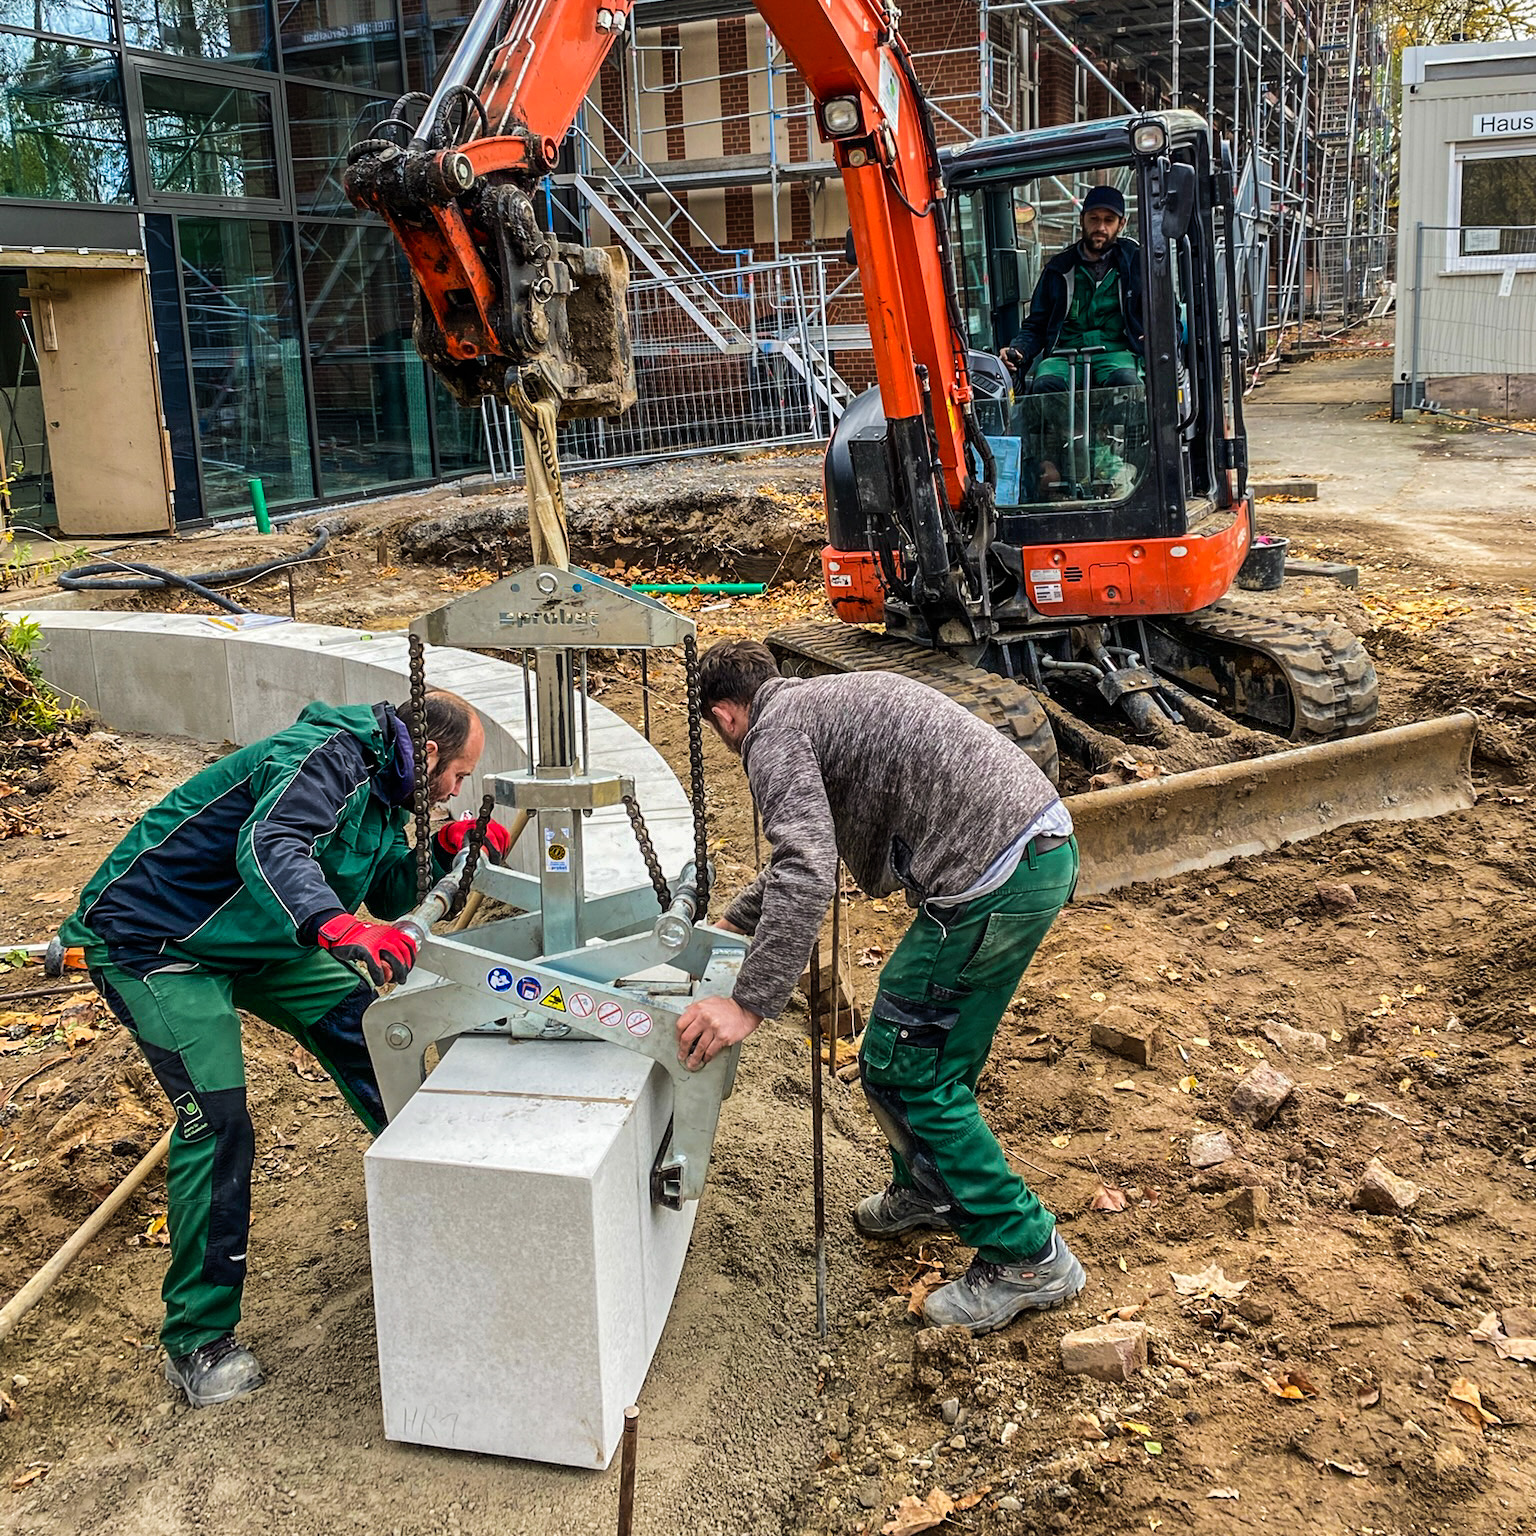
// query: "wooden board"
[[107, 444]]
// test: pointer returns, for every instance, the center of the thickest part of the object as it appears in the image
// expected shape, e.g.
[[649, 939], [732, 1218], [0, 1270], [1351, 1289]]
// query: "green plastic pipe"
[[729, 588], [259, 504]]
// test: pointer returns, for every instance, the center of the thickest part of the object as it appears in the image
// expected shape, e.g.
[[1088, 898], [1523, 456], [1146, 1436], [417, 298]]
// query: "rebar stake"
[[627, 1447], [818, 1169]]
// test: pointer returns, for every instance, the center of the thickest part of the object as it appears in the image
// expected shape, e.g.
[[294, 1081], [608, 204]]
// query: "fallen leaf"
[[914, 1515], [8, 1408], [1491, 1331], [1199, 1040], [1107, 1198], [922, 1288], [1126, 1314], [1131, 1427], [1085, 1427], [880, 906], [973, 1498], [306, 1066], [156, 1231], [1208, 1282], [1188, 1084], [1348, 1468], [36, 1470], [1468, 1402], [1060, 1141], [1353, 1098], [1291, 1385], [54, 897], [1154, 1448], [1097, 997]]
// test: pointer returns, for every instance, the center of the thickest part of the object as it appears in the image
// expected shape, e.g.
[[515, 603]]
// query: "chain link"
[[648, 853], [422, 793], [696, 777], [474, 841]]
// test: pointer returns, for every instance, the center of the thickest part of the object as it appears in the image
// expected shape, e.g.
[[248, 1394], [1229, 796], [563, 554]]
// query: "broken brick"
[[1209, 1148], [1126, 1033], [1235, 1173], [1259, 1096], [1383, 1192], [1337, 897], [1110, 1352]]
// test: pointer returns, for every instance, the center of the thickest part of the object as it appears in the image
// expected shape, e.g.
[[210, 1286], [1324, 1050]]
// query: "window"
[[74, 18], [1493, 209], [343, 42], [322, 126], [207, 138], [239, 32], [62, 133], [247, 373]]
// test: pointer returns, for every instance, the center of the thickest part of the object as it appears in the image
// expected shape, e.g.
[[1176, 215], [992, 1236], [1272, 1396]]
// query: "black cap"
[[1106, 197]]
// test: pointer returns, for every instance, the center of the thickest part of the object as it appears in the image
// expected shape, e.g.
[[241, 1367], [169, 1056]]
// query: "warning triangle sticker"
[[553, 999]]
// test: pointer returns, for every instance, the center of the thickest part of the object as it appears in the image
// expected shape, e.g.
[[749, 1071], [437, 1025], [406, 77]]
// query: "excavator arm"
[[505, 309]]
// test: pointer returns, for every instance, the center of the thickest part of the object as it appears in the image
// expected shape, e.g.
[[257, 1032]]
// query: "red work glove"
[[450, 840], [374, 950]]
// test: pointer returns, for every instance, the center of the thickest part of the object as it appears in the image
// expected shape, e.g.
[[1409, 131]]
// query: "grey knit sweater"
[[911, 790]]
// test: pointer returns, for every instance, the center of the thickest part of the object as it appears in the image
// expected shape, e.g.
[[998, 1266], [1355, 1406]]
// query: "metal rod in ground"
[[645, 694], [837, 966], [818, 1169], [627, 1448]]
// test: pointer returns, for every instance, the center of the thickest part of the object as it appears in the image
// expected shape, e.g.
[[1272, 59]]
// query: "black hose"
[[105, 576]]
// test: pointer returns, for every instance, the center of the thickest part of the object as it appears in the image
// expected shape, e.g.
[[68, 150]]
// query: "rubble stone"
[[1209, 1148], [1337, 897], [1259, 1096], [1301, 1044], [1248, 1207], [1235, 1173], [1127, 1033], [1110, 1352], [1383, 1192]]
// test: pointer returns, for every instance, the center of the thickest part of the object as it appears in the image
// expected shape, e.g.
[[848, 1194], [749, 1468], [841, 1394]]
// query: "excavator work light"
[[1149, 138], [841, 116]]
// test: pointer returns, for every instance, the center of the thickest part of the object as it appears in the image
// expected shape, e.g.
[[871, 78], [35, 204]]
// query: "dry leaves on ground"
[[1293, 1385], [1107, 1198], [927, 1280], [1466, 1400], [1491, 1331], [914, 1515], [1208, 1282]]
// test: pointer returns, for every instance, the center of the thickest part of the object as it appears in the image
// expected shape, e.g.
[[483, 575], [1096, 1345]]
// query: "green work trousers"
[[185, 1022], [942, 995], [1115, 369]]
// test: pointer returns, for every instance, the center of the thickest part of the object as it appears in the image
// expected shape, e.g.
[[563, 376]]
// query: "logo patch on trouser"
[[190, 1118]]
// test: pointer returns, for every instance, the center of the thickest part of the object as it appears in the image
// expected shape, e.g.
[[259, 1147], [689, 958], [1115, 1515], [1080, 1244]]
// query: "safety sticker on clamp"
[[557, 853], [610, 1014], [528, 988], [555, 999], [580, 1005], [638, 1022], [499, 980], [1048, 594]]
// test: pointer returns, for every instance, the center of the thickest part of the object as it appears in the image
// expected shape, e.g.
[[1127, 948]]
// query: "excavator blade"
[[1156, 828]]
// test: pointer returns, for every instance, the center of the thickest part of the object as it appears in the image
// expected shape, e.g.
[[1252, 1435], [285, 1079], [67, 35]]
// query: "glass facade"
[[283, 315]]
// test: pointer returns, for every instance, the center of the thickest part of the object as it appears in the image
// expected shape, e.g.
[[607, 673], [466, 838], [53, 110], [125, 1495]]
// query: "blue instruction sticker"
[[529, 988], [499, 979]]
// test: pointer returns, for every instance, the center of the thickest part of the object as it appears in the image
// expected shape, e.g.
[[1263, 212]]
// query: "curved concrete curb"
[[178, 675]]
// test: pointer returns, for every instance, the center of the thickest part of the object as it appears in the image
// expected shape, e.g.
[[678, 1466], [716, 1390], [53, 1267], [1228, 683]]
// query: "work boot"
[[898, 1209], [215, 1373], [990, 1296]]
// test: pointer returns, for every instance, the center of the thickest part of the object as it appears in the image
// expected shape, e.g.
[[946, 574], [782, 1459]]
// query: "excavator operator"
[[1089, 297]]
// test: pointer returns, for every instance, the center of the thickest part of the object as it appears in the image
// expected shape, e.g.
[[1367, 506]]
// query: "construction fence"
[[1467, 327], [733, 359]]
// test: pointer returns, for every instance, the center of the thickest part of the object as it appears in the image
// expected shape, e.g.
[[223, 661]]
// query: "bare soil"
[[1420, 988]]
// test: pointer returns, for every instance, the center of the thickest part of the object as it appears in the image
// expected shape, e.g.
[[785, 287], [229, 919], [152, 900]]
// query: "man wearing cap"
[[1088, 296]]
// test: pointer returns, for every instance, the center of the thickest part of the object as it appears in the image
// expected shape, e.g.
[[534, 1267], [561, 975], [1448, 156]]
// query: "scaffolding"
[[1296, 89]]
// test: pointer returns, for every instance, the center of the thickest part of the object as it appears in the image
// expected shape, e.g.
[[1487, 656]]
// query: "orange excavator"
[[1061, 560]]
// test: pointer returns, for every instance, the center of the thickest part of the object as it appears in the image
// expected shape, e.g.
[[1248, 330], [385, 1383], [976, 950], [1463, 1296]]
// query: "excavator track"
[[1312, 681], [812, 650]]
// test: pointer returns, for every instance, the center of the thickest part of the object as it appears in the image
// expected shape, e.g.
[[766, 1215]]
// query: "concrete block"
[[1127, 1033], [67, 661], [272, 680], [1110, 1352], [1257, 1099], [169, 679], [522, 1275]]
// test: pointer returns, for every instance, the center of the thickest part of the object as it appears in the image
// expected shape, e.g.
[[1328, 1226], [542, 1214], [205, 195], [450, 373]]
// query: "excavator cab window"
[[1074, 428]]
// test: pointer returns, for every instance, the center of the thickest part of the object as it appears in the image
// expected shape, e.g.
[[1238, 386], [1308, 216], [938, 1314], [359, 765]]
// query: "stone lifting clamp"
[[620, 967]]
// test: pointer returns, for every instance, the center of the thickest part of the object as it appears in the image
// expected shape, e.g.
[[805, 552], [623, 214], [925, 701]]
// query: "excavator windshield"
[[1051, 281]]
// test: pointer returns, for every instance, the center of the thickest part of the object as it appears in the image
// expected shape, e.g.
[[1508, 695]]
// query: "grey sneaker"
[[215, 1373], [990, 1296], [897, 1209]]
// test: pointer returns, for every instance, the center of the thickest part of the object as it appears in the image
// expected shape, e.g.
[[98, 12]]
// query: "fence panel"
[[1471, 320]]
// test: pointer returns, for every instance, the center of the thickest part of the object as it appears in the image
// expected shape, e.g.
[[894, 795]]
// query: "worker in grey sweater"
[[914, 794]]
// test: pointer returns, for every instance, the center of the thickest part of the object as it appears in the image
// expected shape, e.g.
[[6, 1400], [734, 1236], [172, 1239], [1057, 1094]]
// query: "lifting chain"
[[474, 841], [648, 852], [422, 790], [696, 777]]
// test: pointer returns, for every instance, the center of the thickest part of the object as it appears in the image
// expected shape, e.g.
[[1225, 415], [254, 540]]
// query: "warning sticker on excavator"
[[610, 1014], [554, 998], [638, 1022], [581, 1005], [528, 988]]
